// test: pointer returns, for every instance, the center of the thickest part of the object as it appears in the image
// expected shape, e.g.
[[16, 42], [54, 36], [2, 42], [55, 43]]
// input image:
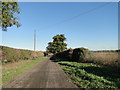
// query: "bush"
[[79, 54], [66, 55], [45, 53]]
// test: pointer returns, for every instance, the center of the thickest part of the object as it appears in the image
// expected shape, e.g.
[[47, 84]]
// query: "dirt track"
[[46, 74]]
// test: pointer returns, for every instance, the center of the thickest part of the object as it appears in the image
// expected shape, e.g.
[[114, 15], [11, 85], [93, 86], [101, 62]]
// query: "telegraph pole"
[[35, 42]]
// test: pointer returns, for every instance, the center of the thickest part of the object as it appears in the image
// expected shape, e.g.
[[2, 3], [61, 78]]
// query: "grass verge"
[[10, 72], [86, 75]]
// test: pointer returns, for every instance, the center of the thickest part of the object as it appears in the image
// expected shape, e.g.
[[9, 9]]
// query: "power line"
[[86, 12]]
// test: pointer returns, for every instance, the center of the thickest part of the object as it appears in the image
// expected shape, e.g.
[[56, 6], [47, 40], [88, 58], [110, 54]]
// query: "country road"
[[45, 74]]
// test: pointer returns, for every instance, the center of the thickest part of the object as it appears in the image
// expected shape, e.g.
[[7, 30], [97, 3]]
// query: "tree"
[[7, 14], [57, 45]]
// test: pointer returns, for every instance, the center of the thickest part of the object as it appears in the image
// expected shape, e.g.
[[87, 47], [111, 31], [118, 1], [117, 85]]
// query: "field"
[[10, 70], [110, 59], [86, 75]]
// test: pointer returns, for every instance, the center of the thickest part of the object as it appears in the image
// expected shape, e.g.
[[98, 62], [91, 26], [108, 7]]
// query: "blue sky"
[[85, 24]]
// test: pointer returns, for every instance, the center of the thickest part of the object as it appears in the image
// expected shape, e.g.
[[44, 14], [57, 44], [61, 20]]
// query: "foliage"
[[45, 54], [12, 55], [79, 54], [103, 58], [66, 55], [57, 45], [9, 10], [91, 76]]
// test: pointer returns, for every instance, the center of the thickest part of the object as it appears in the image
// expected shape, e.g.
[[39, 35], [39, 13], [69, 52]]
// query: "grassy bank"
[[8, 54], [11, 70], [86, 75]]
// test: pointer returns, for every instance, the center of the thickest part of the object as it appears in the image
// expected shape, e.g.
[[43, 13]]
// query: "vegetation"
[[13, 69], [90, 69], [13, 55], [86, 75], [66, 55], [104, 58], [57, 45], [7, 15], [79, 54], [110, 59], [45, 54]]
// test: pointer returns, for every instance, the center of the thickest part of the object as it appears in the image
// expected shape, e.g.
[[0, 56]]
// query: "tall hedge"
[[66, 55], [79, 54]]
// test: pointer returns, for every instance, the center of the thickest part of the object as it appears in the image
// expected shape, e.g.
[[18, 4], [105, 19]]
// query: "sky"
[[93, 25]]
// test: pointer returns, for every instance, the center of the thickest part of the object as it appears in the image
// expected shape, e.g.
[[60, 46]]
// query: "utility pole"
[[34, 43]]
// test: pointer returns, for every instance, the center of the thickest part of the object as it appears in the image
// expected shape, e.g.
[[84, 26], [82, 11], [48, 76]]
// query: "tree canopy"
[[8, 14], [57, 45]]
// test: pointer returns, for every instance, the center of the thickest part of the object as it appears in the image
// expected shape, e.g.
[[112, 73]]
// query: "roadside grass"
[[9, 72], [86, 75]]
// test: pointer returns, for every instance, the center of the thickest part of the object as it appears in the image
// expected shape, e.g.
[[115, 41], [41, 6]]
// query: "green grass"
[[8, 74], [91, 76]]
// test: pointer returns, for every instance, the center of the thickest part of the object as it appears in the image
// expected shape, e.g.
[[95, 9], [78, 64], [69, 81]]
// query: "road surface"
[[45, 74]]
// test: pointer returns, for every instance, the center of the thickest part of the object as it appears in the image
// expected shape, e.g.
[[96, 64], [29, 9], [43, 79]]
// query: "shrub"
[[79, 54], [45, 53], [66, 55]]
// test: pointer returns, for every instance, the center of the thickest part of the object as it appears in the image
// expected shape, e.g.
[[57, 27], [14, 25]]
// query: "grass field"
[[86, 75], [11, 70], [104, 58]]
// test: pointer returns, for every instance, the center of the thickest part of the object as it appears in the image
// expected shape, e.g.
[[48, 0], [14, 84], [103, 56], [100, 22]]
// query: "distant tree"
[[45, 53], [8, 10], [57, 45]]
